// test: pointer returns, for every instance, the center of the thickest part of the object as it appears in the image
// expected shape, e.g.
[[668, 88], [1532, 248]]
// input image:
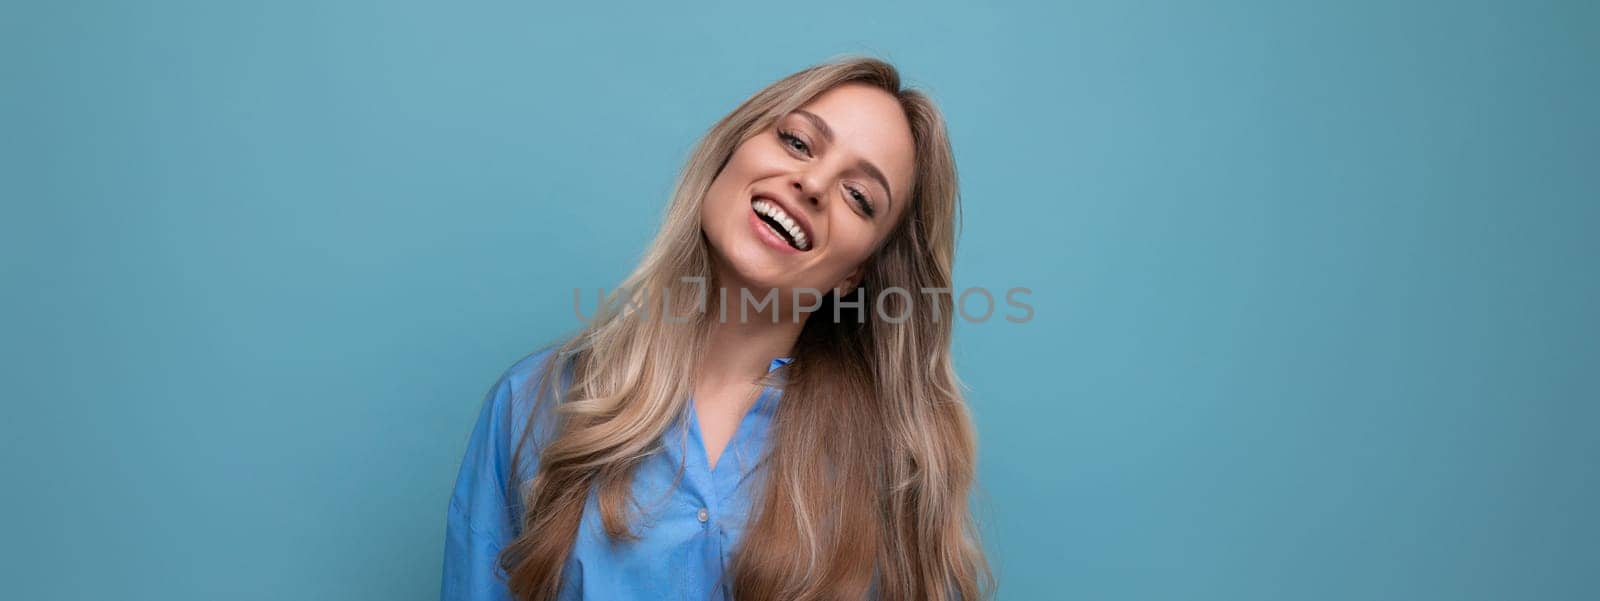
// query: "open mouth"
[[782, 223]]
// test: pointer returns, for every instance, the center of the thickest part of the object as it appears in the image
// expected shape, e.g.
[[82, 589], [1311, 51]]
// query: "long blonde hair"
[[883, 502]]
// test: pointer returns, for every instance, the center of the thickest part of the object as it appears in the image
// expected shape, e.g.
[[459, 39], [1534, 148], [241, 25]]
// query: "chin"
[[755, 269], [748, 259]]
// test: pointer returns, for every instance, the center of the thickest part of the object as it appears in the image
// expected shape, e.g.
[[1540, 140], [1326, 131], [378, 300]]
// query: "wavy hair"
[[873, 451]]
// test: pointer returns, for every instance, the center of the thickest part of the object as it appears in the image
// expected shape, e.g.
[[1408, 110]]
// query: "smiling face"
[[805, 202]]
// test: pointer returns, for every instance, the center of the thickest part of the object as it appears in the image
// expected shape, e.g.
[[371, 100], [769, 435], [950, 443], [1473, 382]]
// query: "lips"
[[786, 226]]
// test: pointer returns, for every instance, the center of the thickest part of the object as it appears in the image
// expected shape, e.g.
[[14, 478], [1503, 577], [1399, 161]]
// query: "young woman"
[[778, 418]]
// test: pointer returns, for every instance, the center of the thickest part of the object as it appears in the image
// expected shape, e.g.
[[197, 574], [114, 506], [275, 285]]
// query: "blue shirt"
[[688, 530]]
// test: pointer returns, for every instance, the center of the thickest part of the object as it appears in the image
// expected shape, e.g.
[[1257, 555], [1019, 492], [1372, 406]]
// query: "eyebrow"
[[864, 165]]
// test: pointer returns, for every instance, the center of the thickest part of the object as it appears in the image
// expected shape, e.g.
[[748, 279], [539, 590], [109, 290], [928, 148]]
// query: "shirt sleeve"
[[484, 514]]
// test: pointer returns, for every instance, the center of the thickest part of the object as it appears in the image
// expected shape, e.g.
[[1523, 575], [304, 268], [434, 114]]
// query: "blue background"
[[1315, 283]]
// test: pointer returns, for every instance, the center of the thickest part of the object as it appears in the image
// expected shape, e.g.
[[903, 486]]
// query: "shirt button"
[[703, 515]]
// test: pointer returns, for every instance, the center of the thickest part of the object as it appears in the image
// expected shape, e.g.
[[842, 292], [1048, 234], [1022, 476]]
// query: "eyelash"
[[859, 196]]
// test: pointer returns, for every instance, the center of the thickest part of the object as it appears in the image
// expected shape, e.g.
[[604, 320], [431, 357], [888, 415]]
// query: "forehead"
[[869, 123]]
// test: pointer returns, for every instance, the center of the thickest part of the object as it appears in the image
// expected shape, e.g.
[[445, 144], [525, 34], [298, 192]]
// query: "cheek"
[[724, 194], [720, 199], [852, 243]]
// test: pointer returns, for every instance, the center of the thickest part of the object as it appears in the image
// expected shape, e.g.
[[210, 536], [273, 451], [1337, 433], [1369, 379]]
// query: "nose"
[[808, 193]]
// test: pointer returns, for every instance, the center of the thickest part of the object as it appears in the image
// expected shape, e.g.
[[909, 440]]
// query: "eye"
[[794, 142], [862, 200]]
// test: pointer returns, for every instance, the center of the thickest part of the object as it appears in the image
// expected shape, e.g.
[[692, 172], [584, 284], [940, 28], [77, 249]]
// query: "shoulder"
[[520, 391], [524, 376], [484, 502]]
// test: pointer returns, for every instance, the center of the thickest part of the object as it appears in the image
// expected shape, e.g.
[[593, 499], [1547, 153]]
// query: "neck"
[[742, 350]]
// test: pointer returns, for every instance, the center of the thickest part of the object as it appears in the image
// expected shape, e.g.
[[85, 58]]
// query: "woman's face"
[[806, 201]]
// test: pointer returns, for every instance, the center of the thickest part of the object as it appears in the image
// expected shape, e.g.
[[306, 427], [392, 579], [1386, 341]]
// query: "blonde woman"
[[778, 418]]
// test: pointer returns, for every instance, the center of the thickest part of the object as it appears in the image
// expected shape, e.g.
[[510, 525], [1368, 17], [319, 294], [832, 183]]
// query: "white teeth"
[[782, 217]]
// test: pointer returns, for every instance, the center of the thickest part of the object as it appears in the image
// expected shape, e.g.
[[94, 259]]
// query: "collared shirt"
[[688, 526]]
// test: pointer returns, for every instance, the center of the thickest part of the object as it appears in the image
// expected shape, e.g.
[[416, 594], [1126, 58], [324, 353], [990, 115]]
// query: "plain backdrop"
[[1315, 283]]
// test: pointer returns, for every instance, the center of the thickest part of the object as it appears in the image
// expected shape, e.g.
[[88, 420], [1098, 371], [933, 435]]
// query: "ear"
[[848, 285]]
